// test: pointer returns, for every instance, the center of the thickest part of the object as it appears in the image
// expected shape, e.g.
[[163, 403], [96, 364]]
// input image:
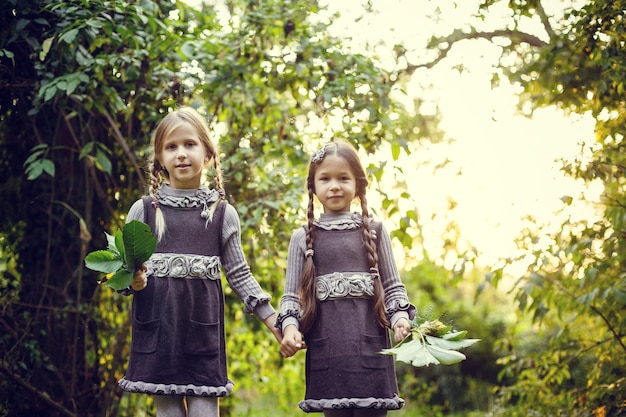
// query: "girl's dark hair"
[[306, 290]]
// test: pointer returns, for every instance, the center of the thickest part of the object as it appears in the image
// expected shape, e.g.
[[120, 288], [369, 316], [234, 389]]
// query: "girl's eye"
[[190, 144]]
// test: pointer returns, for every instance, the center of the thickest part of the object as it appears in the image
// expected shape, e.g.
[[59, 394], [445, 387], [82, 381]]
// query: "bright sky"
[[502, 164]]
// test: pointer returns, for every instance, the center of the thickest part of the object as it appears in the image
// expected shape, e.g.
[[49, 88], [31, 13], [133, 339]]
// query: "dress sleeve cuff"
[[286, 318], [253, 303], [398, 306], [264, 310], [288, 321]]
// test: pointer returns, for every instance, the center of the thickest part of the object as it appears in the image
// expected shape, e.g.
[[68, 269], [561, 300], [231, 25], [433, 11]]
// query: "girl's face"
[[184, 157], [335, 184]]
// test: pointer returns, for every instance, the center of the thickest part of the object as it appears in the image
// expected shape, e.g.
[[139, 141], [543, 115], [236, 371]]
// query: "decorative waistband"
[[176, 265], [344, 284]]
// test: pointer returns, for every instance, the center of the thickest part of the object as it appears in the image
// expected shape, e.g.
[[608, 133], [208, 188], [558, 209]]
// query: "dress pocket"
[[370, 348], [202, 338], [146, 336], [318, 350]]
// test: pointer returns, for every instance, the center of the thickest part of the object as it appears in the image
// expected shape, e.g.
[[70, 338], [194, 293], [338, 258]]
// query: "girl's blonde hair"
[[158, 174], [306, 290]]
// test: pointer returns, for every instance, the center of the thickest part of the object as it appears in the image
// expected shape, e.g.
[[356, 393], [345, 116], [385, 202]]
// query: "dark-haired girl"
[[342, 294]]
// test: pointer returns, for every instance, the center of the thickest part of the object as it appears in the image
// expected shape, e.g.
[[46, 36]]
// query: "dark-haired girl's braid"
[[307, 289], [372, 257]]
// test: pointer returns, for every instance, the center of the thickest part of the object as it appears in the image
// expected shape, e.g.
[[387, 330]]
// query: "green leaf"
[[69, 36], [413, 352], [120, 280], [139, 244], [455, 335], [112, 247], [445, 356], [103, 261], [86, 150], [50, 91], [34, 170], [48, 167], [103, 163], [450, 344], [119, 244]]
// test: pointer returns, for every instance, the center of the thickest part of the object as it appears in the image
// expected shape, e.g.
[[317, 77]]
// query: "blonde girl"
[[178, 349]]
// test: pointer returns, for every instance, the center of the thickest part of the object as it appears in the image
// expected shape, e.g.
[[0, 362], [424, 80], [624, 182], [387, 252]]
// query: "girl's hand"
[[401, 329], [141, 281], [292, 342]]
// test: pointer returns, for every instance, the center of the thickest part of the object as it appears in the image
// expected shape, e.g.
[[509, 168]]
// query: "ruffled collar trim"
[[339, 221], [196, 197]]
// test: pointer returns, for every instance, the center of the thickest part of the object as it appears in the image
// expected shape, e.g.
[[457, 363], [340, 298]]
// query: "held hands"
[[141, 281], [401, 329], [292, 342]]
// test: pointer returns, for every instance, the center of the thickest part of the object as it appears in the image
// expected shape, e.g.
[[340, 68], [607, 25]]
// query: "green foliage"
[[569, 357]]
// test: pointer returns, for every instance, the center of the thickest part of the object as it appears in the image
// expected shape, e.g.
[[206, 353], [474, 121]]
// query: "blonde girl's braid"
[[372, 257], [219, 181], [156, 179], [307, 289]]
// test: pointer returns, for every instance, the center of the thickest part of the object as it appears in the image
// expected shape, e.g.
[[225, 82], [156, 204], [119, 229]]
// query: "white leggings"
[[179, 406]]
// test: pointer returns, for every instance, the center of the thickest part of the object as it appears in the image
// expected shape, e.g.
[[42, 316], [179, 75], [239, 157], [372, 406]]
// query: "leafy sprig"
[[431, 342], [127, 250]]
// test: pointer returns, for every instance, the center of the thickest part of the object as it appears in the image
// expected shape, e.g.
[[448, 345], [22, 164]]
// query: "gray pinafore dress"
[[343, 366], [178, 345]]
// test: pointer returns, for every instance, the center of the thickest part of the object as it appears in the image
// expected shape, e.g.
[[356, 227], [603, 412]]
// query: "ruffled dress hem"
[[174, 389], [310, 405]]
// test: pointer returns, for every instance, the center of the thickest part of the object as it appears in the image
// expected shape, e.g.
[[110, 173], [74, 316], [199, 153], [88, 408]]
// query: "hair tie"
[[309, 253], [374, 272], [221, 192]]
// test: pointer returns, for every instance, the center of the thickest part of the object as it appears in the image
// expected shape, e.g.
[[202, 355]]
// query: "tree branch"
[[544, 20], [445, 44]]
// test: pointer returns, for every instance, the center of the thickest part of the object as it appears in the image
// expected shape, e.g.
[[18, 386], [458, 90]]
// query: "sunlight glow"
[[498, 166]]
